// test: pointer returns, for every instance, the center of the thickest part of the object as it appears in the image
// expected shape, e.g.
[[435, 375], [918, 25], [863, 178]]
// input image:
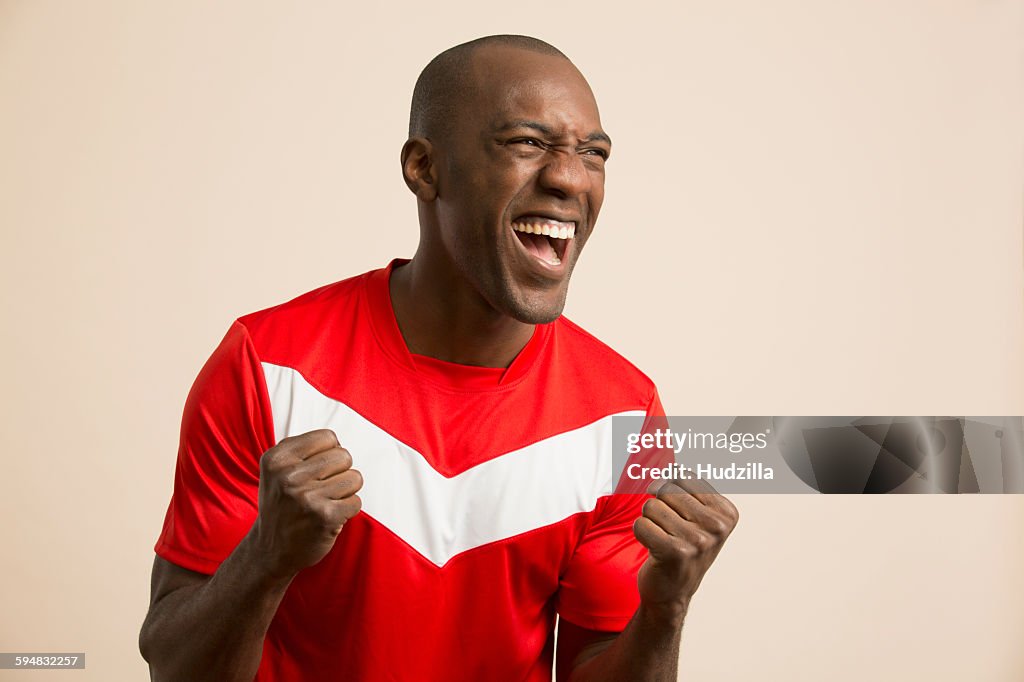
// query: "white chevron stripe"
[[441, 517]]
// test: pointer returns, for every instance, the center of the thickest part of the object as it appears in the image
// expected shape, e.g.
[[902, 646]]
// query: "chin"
[[537, 316], [537, 309]]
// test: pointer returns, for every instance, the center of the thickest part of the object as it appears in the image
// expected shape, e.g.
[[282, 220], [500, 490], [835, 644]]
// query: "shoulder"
[[329, 301], [318, 320], [596, 364]]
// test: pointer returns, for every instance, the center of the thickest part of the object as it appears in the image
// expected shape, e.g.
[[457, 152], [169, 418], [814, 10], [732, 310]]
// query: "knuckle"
[[290, 479], [649, 507], [344, 458], [683, 551], [351, 507], [668, 490], [270, 460], [286, 451], [325, 434], [357, 479], [718, 526], [308, 503], [331, 523]]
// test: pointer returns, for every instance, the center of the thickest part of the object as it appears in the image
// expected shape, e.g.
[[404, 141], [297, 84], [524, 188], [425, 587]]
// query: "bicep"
[[577, 644], [168, 577]]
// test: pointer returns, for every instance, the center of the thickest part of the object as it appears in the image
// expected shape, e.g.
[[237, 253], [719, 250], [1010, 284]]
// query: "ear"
[[418, 168]]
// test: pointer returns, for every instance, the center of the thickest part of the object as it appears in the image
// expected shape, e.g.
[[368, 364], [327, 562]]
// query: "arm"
[[212, 627], [683, 528], [645, 650], [202, 627]]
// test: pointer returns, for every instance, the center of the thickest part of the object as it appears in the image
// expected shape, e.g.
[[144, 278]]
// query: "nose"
[[565, 175]]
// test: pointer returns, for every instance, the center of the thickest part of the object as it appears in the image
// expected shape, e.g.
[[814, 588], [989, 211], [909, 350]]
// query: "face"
[[521, 181]]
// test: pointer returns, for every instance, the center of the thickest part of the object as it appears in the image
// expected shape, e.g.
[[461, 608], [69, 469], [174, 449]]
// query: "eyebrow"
[[596, 136]]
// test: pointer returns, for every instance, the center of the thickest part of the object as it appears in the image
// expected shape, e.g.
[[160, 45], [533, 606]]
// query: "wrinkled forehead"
[[509, 84]]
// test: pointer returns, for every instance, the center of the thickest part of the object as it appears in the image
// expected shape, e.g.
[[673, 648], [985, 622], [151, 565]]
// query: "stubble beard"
[[531, 307]]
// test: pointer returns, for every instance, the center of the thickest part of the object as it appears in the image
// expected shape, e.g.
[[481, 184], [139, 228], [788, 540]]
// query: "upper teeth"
[[549, 229]]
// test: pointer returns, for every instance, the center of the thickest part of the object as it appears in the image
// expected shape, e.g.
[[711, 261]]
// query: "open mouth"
[[544, 238]]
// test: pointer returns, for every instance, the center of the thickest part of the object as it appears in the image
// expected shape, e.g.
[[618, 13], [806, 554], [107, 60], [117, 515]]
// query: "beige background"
[[813, 208]]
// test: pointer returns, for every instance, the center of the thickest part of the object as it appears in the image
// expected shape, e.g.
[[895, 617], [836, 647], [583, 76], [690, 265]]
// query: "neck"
[[442, 317]]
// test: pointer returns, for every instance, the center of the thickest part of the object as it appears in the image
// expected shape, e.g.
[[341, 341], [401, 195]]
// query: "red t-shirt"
[[486, 502]]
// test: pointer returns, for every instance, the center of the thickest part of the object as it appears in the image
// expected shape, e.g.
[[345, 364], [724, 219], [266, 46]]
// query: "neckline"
[[439, 372]]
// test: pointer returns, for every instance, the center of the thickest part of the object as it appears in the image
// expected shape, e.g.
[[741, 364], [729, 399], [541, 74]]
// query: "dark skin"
[[202, 627], [529, 143], [530, 147]]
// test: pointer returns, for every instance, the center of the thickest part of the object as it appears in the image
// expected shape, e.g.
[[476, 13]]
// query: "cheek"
[[596, 193]]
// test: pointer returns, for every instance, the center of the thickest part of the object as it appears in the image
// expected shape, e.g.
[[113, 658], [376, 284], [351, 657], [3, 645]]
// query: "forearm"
[[646, 651], [214, 630], [683, 528]]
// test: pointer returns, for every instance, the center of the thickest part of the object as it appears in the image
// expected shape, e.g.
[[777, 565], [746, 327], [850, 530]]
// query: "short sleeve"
[[226, 426], [598, 591]]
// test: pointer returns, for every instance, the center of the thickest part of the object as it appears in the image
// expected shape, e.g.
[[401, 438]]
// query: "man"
[[478, 417]]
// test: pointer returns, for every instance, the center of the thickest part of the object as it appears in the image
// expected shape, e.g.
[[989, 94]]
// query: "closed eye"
[[532, 141]]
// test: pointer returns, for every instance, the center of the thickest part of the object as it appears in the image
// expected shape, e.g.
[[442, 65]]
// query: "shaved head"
[[506, 156], [445, 82]]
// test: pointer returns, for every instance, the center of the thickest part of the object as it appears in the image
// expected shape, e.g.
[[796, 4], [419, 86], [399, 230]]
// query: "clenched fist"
[[683, 527], [307, 492]]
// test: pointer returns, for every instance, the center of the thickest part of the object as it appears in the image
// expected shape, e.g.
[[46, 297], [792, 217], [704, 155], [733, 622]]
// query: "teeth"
[[547, 229]]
